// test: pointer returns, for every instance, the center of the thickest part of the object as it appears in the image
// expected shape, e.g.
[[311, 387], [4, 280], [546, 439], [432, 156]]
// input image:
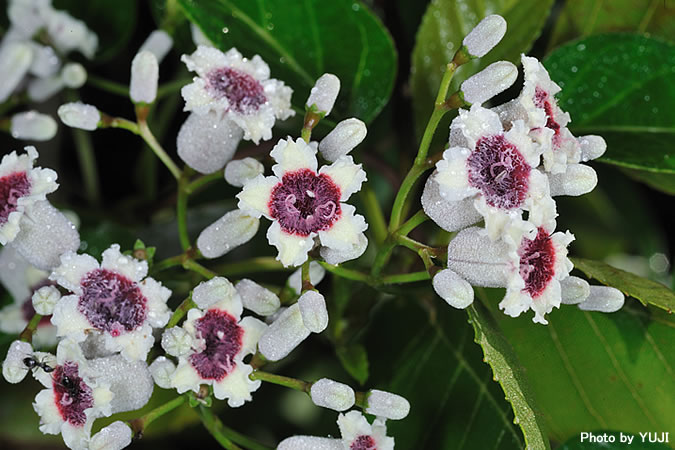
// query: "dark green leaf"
[[443, 28], [355, 361], [620, 442], [430, 359], [643, 289], [113, 22], [622, 86], [508, 371], [301, 43], [94, 240]]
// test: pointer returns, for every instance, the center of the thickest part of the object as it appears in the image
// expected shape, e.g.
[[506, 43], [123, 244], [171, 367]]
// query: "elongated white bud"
[[592, 147], [74, 75], [332, 395], [343, 139], [45, 61], [477, 259], [388, 405], [310, 443], [283, 335], [176, 341], [239, 171], [578, 179], [256, 298], [144, 77], [333, 256], [15, 60], [449, 215], [129, 381], [42, 89], [13, 368], [210, 292], [485, 35], [324, 93], [603, 299], [574, 290], [79, 115], [161, 370], [32, 125], [115, 436], [206, 142], [452, 288], [313, 309], [159, 43], [44, 300], [487, 83], [232, 230]]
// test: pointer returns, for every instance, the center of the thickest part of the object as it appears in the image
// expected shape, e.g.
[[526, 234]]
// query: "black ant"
[[32, 362]]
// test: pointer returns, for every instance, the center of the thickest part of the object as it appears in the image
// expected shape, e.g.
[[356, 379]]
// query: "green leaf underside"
[[621, 86], [442, 31], [454, 402], [643, 289], [355, 361], [508, 371], [594, 371], [301, 43]]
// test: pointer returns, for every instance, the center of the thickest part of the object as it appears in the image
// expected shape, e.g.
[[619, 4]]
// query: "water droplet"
[[574, 69], [356, 6], [225, 30], [647, 98], [282, 60], [581, 47], [270, 26]]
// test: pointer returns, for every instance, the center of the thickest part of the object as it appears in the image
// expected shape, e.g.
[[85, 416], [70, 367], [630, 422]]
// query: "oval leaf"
[[302, 42], [643, 289]]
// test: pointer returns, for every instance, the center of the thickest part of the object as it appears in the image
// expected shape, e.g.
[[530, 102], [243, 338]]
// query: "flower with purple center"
[[74, 397], [221, 339], [114, 299], [304, 203], [239, 89], [495, 168]]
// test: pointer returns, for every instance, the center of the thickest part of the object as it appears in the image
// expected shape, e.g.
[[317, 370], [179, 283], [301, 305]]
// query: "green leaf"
[[429, 358], [355, 361], [621, 86], [653, 16], [113, 22], [96, 239], [442, 31], [643, 289], [618, 444], [596, 371], [305, 40], [509, 373]]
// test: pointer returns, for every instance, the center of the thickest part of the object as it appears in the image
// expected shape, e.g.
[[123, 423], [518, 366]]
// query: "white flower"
[[130, 381], [304, 203], [451, 216], [496, 168], [113, 299], [15, 60], [161, 370], [357, 433], [44, 299], [238, 88], [221, 341], [74, 397], [176, 341], [332, 395], [14, 369]]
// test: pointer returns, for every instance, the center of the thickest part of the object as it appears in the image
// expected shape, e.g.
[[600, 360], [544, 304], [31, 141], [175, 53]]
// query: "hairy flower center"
[[363, 442], [305, 202], [543, 100], [71, 394], [12, 188], [537, 260], [112, 302], [500, 171], [244, 93], [223, 339]]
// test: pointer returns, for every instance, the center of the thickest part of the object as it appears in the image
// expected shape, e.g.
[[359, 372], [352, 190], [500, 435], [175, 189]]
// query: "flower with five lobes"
[[304, 203], [113, 298], [220, 340], [239, 88]]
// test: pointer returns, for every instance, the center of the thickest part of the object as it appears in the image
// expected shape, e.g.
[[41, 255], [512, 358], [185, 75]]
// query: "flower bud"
[[324, 93], [452, 288], [15, 60], [210, 292], [333, 256], [79, 115], [129, 381], [478, 259], [574, 290], [32, 125], [345, 136], [578, 179], [115, 436], [283, 335], [592, 147], [388, 405], [313, 310], [198, 37], [256, 298], [332, 395], [451, 216], [310, 443], [232, 230], [176, 341], [603, 299], [42, 89], [239, 171], [161, 370], [74, 75], [13, 368], [158, 43], [144, 77], [489, 82], [45, 61], [485, 36], [44, 300], [316, 274], [206, 142]]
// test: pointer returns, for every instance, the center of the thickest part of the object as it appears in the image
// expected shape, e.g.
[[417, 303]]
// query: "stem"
[[118, 122], [226, 436], [171, 87], [138, 425], [374, 213], [405, 278], [202, 181], [149, 138], [87, 160], [260, 264], [417, 219], [181, 311], [181, 210], [408, 182], [110, 86], [168, 263], [436, 116], [306, 283], [412, 244], [198, 268], [27, 333], [293, 383], [346, 273], [383, 256]]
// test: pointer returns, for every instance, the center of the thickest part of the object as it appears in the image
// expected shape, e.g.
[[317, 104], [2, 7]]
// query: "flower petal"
[[255, 196], [293, 155], [292, 248], [344, 234], [72, 269], [346, 175], [236, 387], [130, 267], [68, 320]]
